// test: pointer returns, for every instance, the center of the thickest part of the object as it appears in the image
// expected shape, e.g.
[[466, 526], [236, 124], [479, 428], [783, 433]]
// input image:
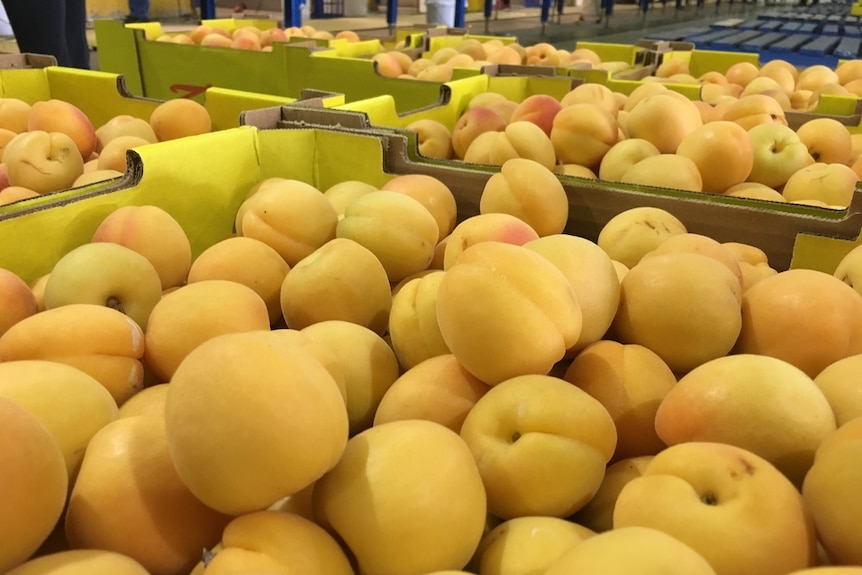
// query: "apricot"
[[89, 561], [471, 123], [95, 177], [583, 134], [434, 139], [827, 139], [229, 434], [529, 191], [155, 234], [788, 415], [179, 118], [12, 194], [247, 261], [518, 338], [589, 93], [130, 500], [774, 323], [42, 161], [630, 380], [98, 340], [623, 155], [722, 152], [15, 114], [398, 229], [340, 280], [386, 65], [276, 541], [683, 306], [437, 389], [34, 483], [673, 171], [291, 216], [425, 490], [830, 496], [630, 234], [664, 120], [114, 155], [148, 401], [689, 242], [591, 273], [70, 403], [368, 363], [197, 312], [342, 193], [124, 125], [432, 193], [413, 327], [19, 301], [55, 115], [597, 514], [539, 109], [500, 227]]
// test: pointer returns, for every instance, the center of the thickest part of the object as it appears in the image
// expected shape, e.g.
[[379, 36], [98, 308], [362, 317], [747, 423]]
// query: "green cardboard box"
[[845, 109], [165, 70], [103, 95]]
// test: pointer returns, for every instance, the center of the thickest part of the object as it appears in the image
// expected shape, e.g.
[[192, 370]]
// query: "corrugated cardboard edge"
[[10, 61]]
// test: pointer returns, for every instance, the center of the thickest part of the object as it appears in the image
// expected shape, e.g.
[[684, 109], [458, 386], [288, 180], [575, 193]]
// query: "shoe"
[[135, 19]]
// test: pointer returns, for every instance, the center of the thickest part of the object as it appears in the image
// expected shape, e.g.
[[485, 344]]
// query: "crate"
[[164, 70], [216, 170]]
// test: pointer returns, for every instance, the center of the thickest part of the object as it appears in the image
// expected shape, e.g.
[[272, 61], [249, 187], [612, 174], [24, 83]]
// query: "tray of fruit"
[[165, 70], [804, 92], [653, 137], [437, 353], [82, 122]]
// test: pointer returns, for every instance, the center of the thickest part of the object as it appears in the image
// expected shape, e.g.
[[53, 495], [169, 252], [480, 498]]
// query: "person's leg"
[[40, 27], [76, 33], [139, 9]]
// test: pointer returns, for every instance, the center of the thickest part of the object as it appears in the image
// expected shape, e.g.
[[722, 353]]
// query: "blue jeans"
[[139, 8]]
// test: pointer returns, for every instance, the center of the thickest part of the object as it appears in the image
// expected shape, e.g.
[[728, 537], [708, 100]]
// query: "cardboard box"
[[164, 70], [383, 113], [791, 235], [102, 96], [845, 109], [26, 60], [202, 180]]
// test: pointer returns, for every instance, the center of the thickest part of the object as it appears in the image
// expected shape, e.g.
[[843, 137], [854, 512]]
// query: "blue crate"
[[820, 46], [848, 48], [759, 43], [732, 42], [791, 43]]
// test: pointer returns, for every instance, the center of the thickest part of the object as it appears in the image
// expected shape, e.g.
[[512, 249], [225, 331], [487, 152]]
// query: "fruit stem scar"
[[114, 303], [516, 436], [709, 499]]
